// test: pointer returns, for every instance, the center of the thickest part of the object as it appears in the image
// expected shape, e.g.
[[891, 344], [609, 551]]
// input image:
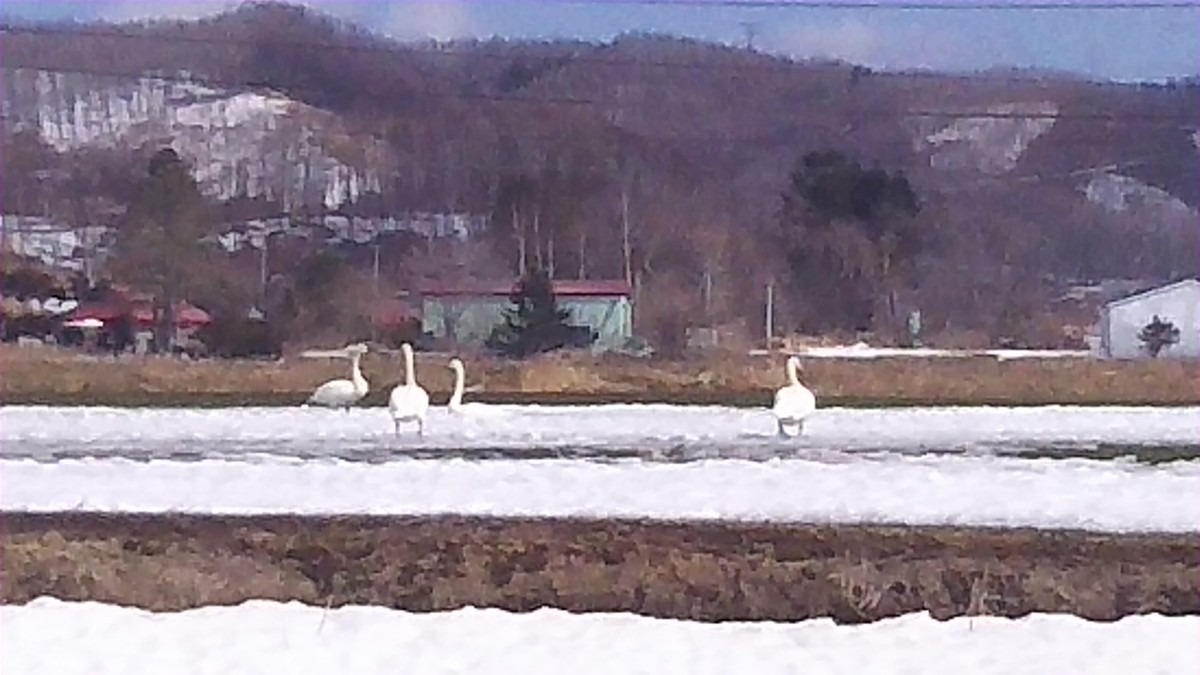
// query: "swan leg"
[[396, 425], [421, 427], [782, 430], [800, 428]]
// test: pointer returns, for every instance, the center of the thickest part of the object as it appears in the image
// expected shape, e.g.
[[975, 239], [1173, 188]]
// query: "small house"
[[465, 313], [1122, 321]]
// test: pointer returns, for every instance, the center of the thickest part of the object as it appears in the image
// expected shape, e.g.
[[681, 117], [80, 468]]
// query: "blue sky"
[[1126, 44]]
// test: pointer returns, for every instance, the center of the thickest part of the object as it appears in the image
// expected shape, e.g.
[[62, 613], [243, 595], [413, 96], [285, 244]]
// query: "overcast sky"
[[1119, 44]]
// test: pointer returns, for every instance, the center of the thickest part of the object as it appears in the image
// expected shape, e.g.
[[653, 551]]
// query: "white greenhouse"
[[1122, 321]]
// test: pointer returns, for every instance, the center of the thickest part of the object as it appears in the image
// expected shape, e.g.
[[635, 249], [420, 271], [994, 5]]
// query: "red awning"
[[190, 315], [186, 315], [96, 310]]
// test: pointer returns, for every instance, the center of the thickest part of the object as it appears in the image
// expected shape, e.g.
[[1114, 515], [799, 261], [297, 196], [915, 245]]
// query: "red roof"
[[185, 313], [562, 287]]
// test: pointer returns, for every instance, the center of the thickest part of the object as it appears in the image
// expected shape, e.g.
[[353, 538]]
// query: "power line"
[[751, 30]]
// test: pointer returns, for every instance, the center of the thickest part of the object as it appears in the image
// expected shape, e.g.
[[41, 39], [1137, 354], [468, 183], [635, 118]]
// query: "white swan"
[[409, 402], [456, 405], [794, 402], [341, 393]]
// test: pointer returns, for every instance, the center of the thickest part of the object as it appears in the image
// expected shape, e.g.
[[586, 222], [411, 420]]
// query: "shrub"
[[1158, 335]]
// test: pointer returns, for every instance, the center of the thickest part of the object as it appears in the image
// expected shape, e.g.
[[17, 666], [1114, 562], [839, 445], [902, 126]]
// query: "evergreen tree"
[[1158, 335], [159, 247], [851, 235], [534, 323]]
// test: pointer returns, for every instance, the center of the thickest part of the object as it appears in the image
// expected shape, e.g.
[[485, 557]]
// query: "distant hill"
[[289, 109]]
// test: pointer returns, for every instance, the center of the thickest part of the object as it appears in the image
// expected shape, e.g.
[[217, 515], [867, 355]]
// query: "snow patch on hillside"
[[992, 143], [1120, 194]]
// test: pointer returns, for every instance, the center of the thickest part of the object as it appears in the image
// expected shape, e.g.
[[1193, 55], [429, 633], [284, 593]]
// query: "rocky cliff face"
[[241, 144]]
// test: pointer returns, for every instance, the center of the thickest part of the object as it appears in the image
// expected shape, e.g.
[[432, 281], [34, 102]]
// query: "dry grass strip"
[[698, 571], [51, 376]]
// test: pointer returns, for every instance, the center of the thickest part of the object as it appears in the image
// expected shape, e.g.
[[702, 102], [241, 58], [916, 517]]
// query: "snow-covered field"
[[649, 431], [839, 487], [862, 350], [952, 466], [50, 636], [920, 466]]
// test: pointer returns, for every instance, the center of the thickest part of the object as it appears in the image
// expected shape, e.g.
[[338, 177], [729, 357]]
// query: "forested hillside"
[[860, 194]]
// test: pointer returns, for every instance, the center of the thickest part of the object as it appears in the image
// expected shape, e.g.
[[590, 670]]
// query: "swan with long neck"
[[341, 393], [793, 402], [408, 402], [455, 404]]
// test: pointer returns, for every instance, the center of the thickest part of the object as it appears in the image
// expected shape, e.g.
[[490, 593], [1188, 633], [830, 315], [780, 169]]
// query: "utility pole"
[[770, 312], [520, 233], [89, 269], [708, 288], [375, 279], [375, 270], [262, 268], [582, 253], [626, 248], [750, 28]]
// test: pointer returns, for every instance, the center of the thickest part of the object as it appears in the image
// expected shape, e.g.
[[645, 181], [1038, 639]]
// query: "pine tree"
[[1158, 335], [159, 247], [534, 323]]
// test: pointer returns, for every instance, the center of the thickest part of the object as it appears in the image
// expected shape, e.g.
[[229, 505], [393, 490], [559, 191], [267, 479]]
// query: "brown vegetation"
[[699, 571], [53, 377]]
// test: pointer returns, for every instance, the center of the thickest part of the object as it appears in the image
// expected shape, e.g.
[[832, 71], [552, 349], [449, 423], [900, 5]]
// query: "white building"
[[1121, 321]]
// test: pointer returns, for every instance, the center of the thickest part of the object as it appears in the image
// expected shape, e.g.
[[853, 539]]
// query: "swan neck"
[[456, 396], [356, 375], [409, 375], [793, 377]]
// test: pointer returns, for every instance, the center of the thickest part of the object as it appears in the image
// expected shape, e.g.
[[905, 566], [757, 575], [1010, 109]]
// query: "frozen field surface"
[[651, 432], [837, 487], [52, 637]]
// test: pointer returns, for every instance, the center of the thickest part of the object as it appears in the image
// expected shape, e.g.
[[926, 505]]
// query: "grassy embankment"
[[43, 376], [700, 571]]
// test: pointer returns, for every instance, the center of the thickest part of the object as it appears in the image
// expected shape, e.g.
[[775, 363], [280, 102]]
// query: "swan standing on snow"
[[455, 404], [409, 402], [341, 393], [794, 402]]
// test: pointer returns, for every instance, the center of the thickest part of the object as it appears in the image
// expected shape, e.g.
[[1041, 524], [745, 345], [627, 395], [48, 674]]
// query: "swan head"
[[456, 364], [406, 348], [794, 362], [356, 349]]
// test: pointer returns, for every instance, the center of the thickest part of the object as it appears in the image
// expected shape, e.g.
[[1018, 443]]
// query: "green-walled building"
[[465, 313]]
